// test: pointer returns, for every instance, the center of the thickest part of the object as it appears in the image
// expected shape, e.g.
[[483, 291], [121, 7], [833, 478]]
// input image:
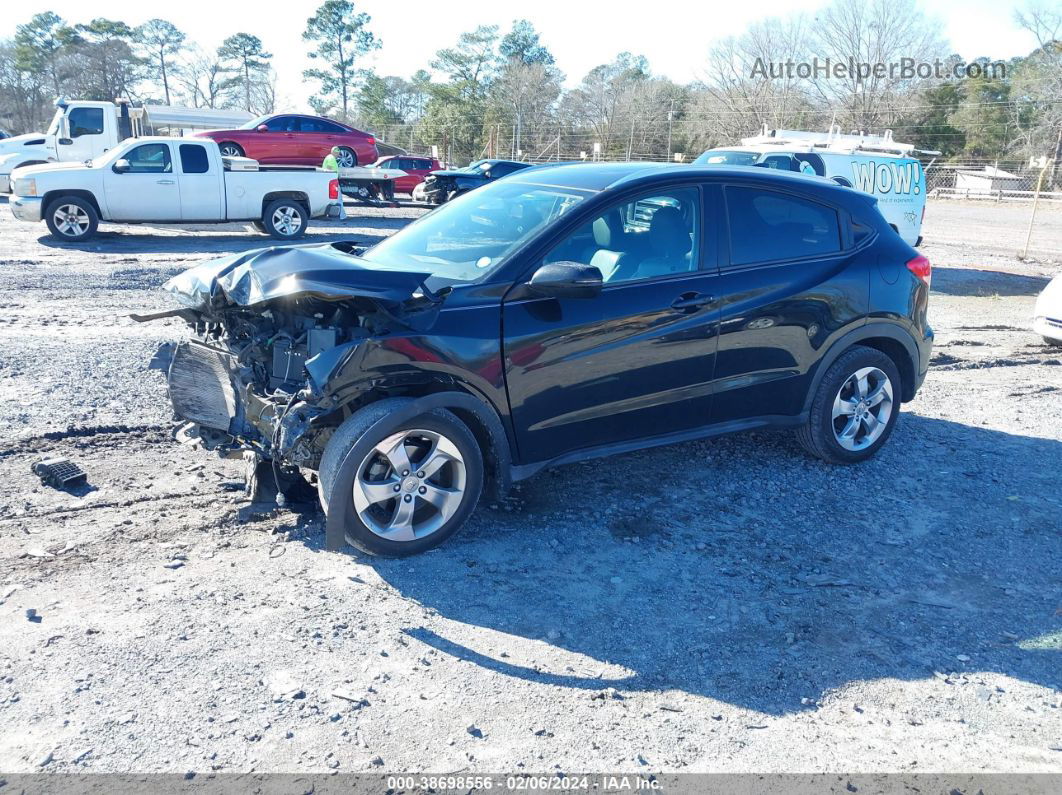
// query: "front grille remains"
[[201, 385]]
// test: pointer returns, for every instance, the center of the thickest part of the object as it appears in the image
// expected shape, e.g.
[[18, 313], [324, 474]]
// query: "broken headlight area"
[[242, 381], [270, 329]]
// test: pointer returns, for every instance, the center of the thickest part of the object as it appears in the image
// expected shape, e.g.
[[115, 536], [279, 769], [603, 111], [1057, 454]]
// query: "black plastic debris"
[[59, 473]]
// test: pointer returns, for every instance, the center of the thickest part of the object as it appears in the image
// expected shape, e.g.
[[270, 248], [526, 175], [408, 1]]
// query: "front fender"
[[472, 411]]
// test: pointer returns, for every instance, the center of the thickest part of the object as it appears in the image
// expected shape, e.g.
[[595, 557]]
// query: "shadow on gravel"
[[984, 283], [200, 243], [760, 577]]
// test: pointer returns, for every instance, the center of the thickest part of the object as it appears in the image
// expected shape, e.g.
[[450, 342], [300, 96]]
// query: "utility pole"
[[670, 118], [1058, 156]]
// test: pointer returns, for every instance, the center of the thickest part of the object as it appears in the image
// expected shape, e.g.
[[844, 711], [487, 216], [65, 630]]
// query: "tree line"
[[497, 93]]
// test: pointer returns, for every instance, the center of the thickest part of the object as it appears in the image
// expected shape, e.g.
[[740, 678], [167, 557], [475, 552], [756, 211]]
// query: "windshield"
[[253, 124], [471, 236], [720, 157]]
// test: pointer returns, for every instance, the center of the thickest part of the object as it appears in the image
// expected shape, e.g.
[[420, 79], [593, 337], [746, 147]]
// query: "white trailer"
[[82, 130]]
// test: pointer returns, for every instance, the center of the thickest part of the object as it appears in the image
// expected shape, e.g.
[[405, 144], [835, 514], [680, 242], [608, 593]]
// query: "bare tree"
[[873, 32], [204, 80], [737, 98]]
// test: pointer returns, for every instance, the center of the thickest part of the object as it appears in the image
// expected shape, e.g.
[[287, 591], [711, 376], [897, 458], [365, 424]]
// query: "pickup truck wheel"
[[404, 490], [348, 158], [285, 219], [230, 149], [71, 219]]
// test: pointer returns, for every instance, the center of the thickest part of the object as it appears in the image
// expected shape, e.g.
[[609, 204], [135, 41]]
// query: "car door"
[[311, 142], [276, 144], [787, 288], [635, 361], [148, 190], [202, 198], [86, 128]]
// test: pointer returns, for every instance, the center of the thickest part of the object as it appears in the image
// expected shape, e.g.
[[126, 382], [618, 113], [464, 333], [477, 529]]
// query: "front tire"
[[404, 490], [71, 219], [229, 149], [854, 409], [285, 219]]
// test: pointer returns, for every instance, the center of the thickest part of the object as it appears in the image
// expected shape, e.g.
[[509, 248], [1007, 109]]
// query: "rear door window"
[[768, 226], [194, 159]]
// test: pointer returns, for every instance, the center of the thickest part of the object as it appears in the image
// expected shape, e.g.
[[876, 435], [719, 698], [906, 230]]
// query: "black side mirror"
[[566, 280]]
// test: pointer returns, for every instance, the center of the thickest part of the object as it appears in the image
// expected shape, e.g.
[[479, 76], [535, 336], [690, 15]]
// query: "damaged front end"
[[269, 330]]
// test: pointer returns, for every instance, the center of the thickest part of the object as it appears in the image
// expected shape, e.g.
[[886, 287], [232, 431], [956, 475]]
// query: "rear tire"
[[358, 476], [71, 219], [348, 158], [855, 407], [285, 219]]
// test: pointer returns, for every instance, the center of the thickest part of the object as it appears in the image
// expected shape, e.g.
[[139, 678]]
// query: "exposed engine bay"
[[269, 329]]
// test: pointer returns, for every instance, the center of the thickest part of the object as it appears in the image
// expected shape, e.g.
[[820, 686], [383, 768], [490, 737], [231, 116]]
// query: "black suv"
[[559, 314]]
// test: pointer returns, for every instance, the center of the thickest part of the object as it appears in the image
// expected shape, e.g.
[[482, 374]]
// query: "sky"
[[674, 36]]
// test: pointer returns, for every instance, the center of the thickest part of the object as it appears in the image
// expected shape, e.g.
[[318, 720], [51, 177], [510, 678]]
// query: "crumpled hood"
[[317, 270], [456, 172]]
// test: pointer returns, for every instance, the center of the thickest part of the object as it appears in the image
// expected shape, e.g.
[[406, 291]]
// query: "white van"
[[877, 165]]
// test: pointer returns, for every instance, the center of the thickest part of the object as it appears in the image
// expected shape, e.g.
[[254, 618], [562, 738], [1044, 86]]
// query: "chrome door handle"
[[164, 182]]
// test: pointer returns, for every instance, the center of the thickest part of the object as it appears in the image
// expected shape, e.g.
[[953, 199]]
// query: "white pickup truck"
[[82, 130], [170, 180]]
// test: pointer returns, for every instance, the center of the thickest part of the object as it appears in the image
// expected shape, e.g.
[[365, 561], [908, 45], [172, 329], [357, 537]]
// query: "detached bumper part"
[[59, 473]]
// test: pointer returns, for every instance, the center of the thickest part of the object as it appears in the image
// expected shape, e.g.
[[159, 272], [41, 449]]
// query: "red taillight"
[[921, 268], [333, 189], [372, 141]]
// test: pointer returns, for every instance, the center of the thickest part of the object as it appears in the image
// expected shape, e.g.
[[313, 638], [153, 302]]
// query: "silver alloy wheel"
[[287, 220], [71, 220], [347, 158], [862, 408], [230, 150], [409, 485]]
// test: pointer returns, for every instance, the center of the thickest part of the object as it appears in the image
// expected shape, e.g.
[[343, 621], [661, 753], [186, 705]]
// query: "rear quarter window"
[[768, 226], [194, 159]]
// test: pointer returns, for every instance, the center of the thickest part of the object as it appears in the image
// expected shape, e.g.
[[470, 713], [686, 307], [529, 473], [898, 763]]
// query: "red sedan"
[[291, 139], [416, 168]]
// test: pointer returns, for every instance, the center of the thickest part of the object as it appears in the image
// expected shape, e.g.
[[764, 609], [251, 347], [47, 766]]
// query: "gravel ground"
[[729, 605]]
